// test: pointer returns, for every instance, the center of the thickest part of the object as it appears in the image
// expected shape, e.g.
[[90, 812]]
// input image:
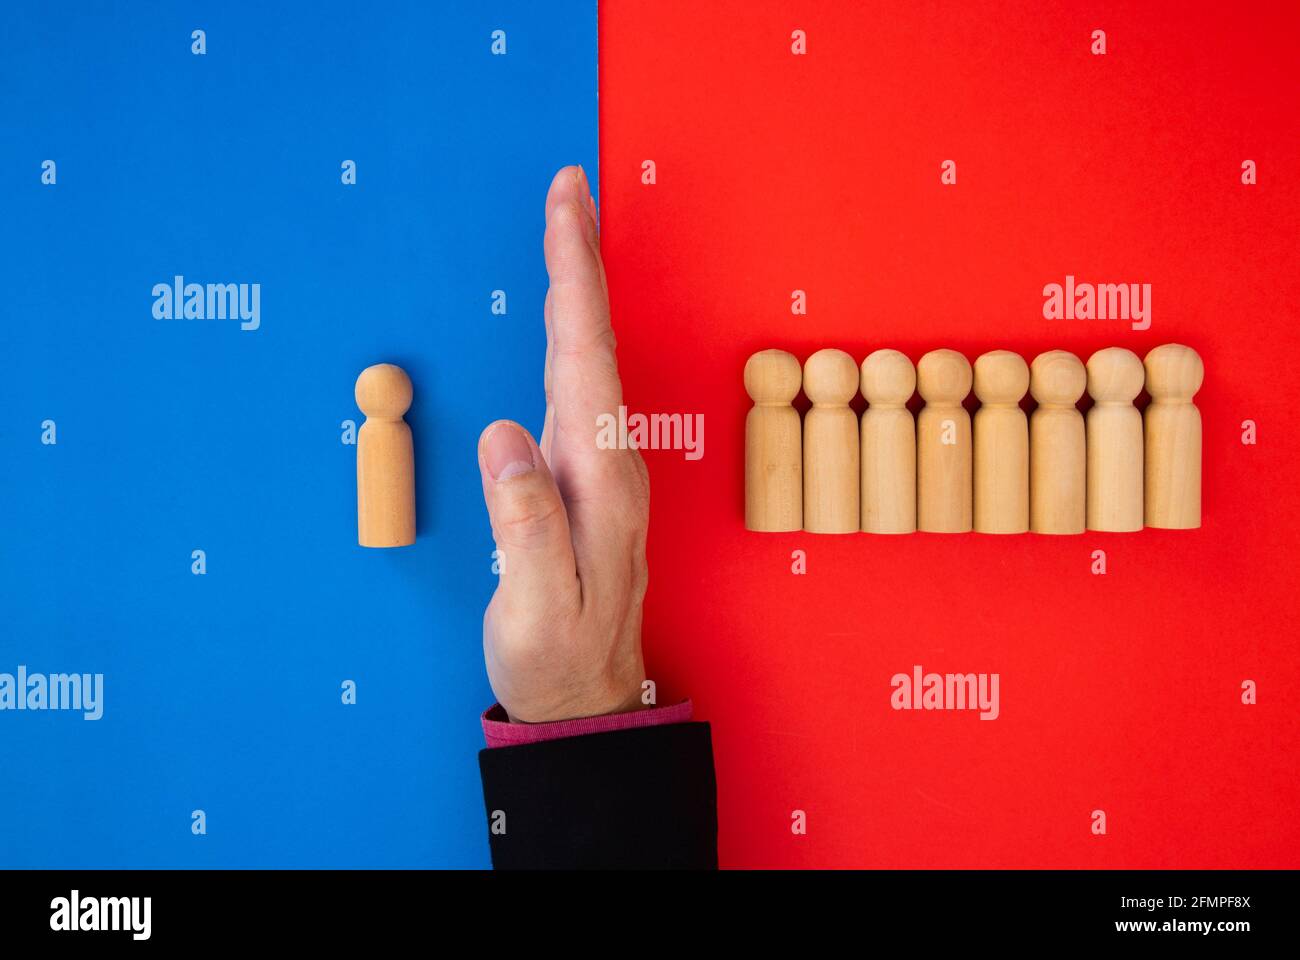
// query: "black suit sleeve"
[[643, 798]]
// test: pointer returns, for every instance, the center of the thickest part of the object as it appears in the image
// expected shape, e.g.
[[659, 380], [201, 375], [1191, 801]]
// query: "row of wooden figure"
[[1049, 473]]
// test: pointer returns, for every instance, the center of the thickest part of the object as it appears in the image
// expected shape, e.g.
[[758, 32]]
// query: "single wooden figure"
[[943, 444], [1173, 437], [773, 449], [888, 444], [385, 459], [1001, 444], [1114, 432], [1058, 459], [830, 444]]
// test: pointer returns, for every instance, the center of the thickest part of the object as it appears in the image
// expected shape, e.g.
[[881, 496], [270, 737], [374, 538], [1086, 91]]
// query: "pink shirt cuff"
[[500, 732]]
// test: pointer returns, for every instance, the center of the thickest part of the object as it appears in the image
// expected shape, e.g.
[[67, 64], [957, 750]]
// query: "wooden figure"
[[888, 461], [1114, 431], [830, 444], [1173, 438], [385, 459], [1001, 444], [943, 444], [1058, 459], [773, 449]]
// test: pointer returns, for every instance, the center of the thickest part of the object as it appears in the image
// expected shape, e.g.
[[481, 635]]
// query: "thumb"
[[529, 522]]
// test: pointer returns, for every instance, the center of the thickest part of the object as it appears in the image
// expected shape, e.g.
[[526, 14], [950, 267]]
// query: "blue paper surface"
[[222, 692]]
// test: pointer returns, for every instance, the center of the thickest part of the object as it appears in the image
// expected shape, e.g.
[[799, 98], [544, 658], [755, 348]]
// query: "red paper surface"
[[821, 172]]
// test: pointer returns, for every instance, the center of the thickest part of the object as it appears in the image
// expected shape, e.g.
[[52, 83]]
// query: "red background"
[[821, 172]]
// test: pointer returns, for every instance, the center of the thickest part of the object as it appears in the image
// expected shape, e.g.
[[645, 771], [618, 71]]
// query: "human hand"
[[562, 634]]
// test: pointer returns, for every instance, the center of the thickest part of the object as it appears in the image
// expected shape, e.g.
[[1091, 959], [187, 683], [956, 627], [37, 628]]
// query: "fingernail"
[[582, 180], [591, 208], [507, 452]]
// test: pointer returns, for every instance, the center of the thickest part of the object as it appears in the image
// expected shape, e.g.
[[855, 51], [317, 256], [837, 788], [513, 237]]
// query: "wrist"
[[623, 700]]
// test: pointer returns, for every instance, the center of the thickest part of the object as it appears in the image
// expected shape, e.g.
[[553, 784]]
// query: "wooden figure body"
[[773, 448], [1058, 459], [1001, 444], [1173, 438], [830, 444], [385, 459], [1114, 436], [888, 461], [943, 444]]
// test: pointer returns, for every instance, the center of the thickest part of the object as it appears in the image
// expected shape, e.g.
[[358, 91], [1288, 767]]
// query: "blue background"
[[222, 691]]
